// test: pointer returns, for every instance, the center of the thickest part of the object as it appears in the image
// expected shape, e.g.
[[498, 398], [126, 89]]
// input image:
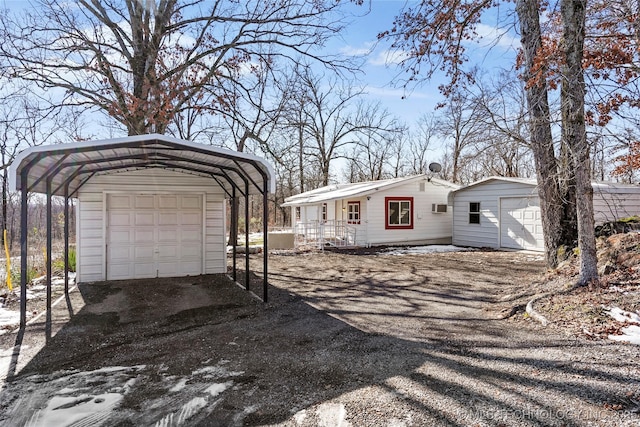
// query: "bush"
[[32, 273], [58, 264]]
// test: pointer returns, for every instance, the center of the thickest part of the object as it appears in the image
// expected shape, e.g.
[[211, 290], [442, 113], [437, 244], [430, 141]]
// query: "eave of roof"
[[358, 189], [73, 163], [526, 181]]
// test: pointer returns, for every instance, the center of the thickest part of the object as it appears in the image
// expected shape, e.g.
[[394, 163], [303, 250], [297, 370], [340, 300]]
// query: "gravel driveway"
[[346, 340]]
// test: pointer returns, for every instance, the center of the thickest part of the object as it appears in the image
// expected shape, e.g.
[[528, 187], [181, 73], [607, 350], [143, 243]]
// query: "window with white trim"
[[353, 212], [324, 212]]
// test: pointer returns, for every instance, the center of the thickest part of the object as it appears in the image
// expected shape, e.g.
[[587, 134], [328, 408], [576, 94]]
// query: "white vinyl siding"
[[485, 234], [427, 228], [613, 203], [91, 225]]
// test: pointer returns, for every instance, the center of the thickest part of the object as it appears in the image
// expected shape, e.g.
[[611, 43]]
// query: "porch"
[[320, 234]]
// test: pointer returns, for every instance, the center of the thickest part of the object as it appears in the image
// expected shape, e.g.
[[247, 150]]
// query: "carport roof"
[[75, 163]]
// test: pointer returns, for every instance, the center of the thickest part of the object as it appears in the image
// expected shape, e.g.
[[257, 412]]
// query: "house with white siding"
[[499, 212], [407, 210]]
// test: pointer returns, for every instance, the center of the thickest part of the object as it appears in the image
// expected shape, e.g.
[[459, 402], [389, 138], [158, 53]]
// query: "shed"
[[407, 210], [499, 212], [148, 205]]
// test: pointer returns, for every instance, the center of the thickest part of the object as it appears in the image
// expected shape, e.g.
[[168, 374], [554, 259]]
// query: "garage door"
[[521, 223], [153, 235]]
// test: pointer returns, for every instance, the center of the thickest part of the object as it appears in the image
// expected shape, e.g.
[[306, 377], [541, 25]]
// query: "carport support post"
[[23, 246], [265, 245], [66, 239], [48, 255], [246, 235], [234, 233]]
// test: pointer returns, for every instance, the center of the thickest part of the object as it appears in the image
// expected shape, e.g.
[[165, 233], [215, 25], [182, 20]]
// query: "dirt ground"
[[346, 339]]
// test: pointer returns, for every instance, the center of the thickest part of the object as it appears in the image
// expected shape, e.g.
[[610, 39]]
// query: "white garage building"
[[148, 205], [500, 212]]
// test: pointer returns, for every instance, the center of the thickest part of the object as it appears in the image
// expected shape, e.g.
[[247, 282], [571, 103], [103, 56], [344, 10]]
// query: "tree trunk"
[[551, 206], [574, 132]]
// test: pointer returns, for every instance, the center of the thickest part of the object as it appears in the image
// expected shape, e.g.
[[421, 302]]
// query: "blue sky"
[[380, 72]]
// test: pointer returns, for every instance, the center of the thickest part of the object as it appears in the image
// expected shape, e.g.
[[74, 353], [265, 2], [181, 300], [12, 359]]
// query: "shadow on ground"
[[202, 351]]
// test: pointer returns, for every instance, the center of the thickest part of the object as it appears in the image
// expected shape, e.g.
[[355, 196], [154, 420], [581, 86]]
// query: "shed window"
[[353, 212], [297, 213], [474, 213], [324, 212], [399, 212]]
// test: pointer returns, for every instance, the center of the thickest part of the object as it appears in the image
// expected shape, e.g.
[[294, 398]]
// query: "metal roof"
[[599, 186], [75, 163], [358, 189]]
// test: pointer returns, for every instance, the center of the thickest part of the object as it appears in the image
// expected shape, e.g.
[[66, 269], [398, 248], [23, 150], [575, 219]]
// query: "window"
[[474, 213], [297, 213], [438, 208], [324, 212], [353, 212], [399, 213]]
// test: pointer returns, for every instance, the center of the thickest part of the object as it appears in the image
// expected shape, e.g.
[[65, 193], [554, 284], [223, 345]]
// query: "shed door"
[[153, 235], [521, 223]]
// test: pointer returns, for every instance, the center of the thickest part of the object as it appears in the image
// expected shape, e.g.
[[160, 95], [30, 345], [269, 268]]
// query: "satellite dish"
[[435, 167]]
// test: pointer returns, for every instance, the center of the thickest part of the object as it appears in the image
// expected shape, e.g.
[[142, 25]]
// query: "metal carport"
[[61, 170]]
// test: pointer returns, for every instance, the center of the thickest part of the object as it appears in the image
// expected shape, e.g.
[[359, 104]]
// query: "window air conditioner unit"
[[436, 208]]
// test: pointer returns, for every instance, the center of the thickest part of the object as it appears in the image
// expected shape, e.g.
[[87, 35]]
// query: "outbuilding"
[[148, 206], [406, 210], [499, 212]]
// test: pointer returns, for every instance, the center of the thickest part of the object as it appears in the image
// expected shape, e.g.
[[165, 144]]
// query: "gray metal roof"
[[74, 163]]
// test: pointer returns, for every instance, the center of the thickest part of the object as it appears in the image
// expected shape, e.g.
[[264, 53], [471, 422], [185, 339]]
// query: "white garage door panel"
[[154, 235], [144, 270], [190, 252], [145, 218], [119, 202], [168, 218], [191, 202], [191, 218], [144, 201], [167, 235], [520, 223], [167, 202]]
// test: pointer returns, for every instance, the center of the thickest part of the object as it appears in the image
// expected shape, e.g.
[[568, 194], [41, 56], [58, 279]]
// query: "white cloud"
[[388, 57], [363, 50], [491, 36], [396, 93]]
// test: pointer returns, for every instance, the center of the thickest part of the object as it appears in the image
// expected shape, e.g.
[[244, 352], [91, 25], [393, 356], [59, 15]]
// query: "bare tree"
[[23, 124], [462, 127], [145, 63], [376, 155], [328, 116]]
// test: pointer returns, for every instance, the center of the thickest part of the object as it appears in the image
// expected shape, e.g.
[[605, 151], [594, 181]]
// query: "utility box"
[[280, 240]]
